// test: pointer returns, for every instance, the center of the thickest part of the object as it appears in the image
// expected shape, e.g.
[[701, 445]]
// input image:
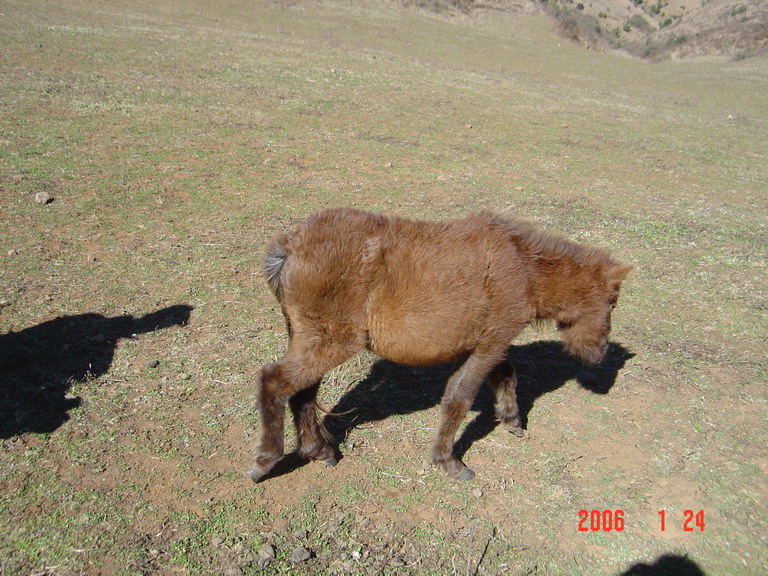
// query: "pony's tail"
[[277, 253], [324, 410]]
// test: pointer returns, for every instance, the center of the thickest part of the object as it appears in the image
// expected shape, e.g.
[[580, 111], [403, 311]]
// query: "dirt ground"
[[175, 139]]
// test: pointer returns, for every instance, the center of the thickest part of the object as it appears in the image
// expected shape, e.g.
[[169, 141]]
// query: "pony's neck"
[[557, 285], [561, 273]]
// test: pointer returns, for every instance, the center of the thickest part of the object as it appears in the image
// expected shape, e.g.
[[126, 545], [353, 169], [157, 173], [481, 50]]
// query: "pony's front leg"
[[459, 394], [503, 380], [272, 398], [311, 435]]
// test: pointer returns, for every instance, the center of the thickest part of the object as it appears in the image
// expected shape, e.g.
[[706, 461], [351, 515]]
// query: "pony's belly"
[[416, 341]]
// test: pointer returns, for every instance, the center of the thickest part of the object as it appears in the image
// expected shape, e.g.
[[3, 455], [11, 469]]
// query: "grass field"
[[175, 138]]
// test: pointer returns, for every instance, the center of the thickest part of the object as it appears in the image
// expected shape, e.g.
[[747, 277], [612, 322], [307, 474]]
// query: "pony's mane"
[[540, 244]]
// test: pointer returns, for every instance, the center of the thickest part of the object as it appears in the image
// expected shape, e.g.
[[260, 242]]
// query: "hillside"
[[650, 29]]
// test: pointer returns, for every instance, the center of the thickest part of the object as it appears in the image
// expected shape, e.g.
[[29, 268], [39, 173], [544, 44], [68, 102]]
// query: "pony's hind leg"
[[459, 394], [297, 375], [312, 437], [503, 380], [272, 396], [288, 380]]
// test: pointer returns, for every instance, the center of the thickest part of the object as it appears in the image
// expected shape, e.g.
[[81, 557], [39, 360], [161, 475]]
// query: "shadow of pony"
[[393, 389], [39, 364]]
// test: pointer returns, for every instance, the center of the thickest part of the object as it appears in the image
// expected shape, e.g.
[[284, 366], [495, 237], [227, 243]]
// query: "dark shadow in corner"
[[38, 364], [393, 389], [666, 565]]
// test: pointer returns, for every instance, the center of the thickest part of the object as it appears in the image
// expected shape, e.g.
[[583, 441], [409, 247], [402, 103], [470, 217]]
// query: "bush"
[[441, 6], [740, 10], [741, 55], [650, 49], [677, 40], [640, 23], [657, 8]]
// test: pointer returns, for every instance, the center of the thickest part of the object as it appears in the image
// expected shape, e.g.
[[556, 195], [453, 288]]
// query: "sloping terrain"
[[675, 29], [173, 139], [650, 29]]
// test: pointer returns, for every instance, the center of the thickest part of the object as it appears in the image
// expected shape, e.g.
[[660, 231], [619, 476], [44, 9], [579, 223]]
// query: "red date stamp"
[[692, 520], [613, 520], [601, 520]]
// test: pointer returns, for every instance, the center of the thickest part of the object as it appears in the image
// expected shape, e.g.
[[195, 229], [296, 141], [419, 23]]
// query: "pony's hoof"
[[517, 431], [330, 462], [465, 475], [256, 475]]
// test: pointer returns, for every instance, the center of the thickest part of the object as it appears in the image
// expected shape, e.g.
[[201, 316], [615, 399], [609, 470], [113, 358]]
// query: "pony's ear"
[[617, 273]]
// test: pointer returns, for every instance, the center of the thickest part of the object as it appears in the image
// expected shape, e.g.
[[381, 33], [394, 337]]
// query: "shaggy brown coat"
[[421, 293]]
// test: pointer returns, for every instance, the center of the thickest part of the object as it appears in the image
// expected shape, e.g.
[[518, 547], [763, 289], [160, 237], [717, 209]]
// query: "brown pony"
[[422, 293]]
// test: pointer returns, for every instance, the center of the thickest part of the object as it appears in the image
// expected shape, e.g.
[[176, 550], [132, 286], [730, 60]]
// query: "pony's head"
[[586, 324]]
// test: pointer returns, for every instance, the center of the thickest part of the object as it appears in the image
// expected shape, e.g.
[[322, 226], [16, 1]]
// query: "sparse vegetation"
[[738, 11], [741, 55], [677, 40], [657, 7], [656, 24], [441, 6], [639, 23], [175, 139]]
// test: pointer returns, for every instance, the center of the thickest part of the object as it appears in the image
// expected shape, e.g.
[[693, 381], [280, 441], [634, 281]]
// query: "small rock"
[[11, 252], [397, 562], [300, 534], [233, 571], [300, 555], [267, 552], [280, 525], [388, 165], [43, 198], [153, 364], [463, 532], [217, 541], [341, 517], [477, 492], [184, 376]]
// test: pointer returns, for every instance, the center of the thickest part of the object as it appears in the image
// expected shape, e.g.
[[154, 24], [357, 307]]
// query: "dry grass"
[[177, 138]]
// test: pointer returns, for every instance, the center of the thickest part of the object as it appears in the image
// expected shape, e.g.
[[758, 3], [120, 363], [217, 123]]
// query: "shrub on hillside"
[[639, 23]]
